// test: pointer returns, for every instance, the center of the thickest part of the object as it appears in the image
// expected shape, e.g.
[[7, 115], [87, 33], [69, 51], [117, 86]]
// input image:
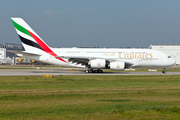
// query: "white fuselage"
[[135, 57]]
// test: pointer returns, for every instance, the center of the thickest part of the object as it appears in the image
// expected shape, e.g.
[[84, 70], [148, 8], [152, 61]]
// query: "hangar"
[[171, 49], [8, 57]]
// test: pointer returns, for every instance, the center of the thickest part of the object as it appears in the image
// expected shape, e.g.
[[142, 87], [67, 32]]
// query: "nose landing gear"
[[164, 71]]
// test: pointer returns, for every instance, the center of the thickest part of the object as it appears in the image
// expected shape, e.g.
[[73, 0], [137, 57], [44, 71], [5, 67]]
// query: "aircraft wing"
[[85, 60], [78, 59], [23, 53]]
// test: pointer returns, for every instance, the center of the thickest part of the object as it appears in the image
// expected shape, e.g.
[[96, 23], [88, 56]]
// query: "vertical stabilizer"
[[30, 40]]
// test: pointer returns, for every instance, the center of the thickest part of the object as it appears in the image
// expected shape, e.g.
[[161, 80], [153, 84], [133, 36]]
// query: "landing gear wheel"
[[89, 71], [164, 71], [94, 71], [100, 71]]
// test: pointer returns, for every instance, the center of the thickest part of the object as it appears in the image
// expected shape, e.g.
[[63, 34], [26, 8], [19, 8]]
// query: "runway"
[[34, 72]]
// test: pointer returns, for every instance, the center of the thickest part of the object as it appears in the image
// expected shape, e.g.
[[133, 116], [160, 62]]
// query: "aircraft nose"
[[173, 62]]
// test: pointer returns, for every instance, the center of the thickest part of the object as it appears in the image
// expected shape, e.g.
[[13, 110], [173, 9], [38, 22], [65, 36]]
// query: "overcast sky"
[[94, 23]]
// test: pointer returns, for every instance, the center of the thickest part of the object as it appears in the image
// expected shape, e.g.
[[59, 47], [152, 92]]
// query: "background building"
[[11, 46], [2, 53], [8, 57], [12, 59], [172, 50], [3, 56]]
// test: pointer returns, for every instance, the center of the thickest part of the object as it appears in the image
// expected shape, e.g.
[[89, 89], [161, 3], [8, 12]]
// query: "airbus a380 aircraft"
[[94, 59]]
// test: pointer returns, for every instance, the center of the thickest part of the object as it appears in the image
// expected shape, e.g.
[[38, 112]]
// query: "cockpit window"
[[169, 56]]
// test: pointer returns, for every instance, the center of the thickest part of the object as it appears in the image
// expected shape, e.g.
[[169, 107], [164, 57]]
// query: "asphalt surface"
[[27, 72]]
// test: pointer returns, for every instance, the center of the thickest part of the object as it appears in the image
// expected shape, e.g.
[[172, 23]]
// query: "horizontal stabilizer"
[[24, 53]]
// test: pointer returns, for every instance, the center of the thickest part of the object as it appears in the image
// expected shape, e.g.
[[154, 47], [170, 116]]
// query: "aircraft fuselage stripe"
[[44, 46]]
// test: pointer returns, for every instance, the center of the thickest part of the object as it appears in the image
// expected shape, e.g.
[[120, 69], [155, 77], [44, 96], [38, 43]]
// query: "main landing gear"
[[164, 71], [94, 71]]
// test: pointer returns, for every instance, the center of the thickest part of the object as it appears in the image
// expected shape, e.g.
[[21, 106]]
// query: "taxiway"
[[27, 72]]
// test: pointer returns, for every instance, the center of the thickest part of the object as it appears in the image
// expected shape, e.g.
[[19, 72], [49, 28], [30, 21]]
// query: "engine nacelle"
[[117, 65], [97, 63]]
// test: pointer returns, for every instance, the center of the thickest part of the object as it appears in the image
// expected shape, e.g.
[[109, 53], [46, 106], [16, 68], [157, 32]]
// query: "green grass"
[[90, 97]]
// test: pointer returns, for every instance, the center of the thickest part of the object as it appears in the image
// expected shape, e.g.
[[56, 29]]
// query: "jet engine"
[[117, 65], [97, 63]]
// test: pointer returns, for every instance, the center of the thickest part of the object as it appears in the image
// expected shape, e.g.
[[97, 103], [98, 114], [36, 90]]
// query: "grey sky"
[[94, 23]]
